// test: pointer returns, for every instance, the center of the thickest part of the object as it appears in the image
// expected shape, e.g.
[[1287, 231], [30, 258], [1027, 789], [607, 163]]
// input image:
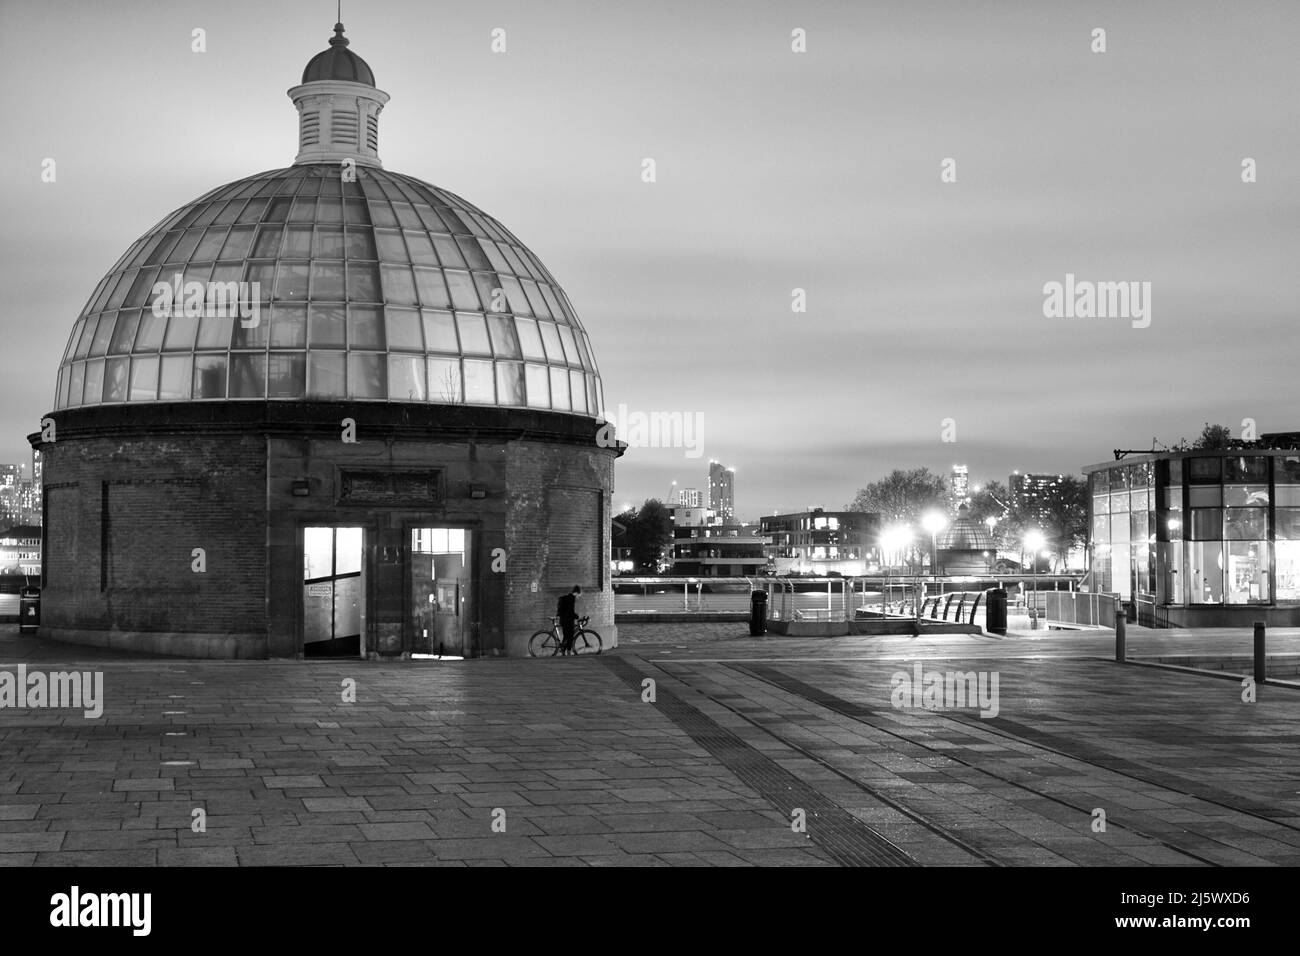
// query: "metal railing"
[[1080, 608], [971, 603]]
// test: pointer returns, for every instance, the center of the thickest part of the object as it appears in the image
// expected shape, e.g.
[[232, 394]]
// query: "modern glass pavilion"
[[1208, 538], [390, 449]]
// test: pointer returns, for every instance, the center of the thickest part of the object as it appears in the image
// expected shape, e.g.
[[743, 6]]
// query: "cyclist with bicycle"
[[567, 611]]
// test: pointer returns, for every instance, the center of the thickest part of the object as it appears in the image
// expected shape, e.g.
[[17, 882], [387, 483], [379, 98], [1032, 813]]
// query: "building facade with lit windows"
[[722, 491], [822, 542], [395, 453], [1205, 538]]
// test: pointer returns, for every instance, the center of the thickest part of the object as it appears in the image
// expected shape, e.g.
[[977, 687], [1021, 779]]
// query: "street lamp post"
[[1033, 543], [934, 522]]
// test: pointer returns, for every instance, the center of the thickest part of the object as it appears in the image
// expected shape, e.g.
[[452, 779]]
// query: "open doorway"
[[333, 592], [441, 600]]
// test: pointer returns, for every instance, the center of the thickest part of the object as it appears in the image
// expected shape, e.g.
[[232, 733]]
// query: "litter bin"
[[757, 613], [29, 609], [995, 611]]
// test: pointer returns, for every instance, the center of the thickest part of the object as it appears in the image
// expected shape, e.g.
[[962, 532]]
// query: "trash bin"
[[758, 613], [29, 609], [995, 611]]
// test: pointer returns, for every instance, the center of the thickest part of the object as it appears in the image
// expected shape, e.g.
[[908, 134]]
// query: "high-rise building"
[[722, 491], [959, 484], [688, 498], [1030, 489], [11, 494]]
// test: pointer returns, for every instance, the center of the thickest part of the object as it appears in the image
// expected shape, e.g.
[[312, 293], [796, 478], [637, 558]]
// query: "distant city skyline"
[[784, 180]]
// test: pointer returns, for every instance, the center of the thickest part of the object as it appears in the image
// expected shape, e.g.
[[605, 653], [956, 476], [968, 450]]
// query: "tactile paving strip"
[[843, 836]]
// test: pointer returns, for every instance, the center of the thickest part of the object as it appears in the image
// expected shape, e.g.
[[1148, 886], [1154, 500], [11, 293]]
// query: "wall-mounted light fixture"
[[301, 488], [477, 491]]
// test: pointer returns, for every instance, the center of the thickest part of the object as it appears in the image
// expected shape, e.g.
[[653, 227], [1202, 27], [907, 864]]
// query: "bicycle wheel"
[[543, 644], [587, 641]]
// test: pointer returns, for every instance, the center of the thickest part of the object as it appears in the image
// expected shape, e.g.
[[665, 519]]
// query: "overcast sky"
[[776, 170]]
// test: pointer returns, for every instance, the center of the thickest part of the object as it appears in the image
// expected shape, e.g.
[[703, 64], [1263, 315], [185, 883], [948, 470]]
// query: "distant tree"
[[649, 533], [903, 496], [1213, 437], [1062, 516]]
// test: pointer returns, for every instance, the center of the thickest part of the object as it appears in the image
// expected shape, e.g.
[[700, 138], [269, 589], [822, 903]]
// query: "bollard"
[[1259, 652], [1121, 635]]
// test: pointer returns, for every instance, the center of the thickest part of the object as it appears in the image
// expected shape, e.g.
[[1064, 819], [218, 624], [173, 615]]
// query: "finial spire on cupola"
[[338, 106]]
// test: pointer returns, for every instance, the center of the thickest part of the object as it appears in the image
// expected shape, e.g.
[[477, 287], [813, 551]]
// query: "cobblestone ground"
[[766, 751]]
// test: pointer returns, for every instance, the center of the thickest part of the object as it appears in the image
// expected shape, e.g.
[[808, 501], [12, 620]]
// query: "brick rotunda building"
[[396, 451]]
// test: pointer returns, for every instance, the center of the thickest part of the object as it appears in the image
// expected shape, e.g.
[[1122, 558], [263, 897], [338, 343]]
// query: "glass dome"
[[383, 289]]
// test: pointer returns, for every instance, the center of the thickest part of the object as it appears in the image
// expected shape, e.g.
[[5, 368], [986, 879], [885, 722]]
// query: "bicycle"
[[548, 643]]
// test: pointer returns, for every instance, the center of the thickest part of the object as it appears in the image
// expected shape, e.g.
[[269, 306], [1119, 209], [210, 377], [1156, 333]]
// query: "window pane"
[[103, 333], [286, 375], [1247, 577], [551, 336], [1249, 496], [535, 297], [473, 334], [141, 293], [1287, 470], [367, 376], [403, 327], [530, 340], [210, 376], [327, 281], [421, 249], [504, 343], [472, 250], [1287, 525], [510, 383], [440, 332], [1205, 497], [461, 285], [363, 282], [448, 254], [406, 378], [1172, 498], [560, 389], [215, 331], [124, 332], [1174, 526], [578, 391], [1252, 468], [210, 244], [144, 378], [479, 384], [328, 326], [1288, 570], [570, 346], [77, 383], [288, 326], [149, 337], [1203, 470], [181, 330], [399, 286], [329, 242], [1206, 524], [365, 327], [116, 373], [291, 280], [1205, 572], [1119, 503], [175, 379], [1245, 524], [391, 246], [444, 380], [433, 292], [325, 374], [248, 375], [238, 243], [360, 243], [518, 302]]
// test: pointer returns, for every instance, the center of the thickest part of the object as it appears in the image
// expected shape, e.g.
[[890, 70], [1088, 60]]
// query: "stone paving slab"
[[560, 762]]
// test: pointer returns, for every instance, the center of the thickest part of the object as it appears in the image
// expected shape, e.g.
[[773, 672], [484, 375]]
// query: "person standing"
[[567, 610]]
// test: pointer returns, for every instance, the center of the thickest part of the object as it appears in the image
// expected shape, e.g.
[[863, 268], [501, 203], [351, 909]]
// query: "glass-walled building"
[[1199, 538]]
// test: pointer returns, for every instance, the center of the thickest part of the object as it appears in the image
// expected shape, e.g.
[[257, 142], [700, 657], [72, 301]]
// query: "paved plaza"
[[754, 751]]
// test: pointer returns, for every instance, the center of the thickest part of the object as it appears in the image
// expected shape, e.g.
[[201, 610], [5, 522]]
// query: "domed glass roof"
[[382, 289]]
